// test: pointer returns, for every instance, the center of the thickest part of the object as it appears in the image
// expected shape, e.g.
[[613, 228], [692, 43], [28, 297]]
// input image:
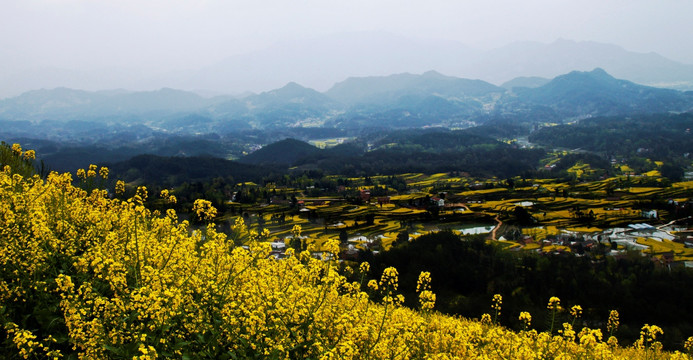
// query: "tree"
[[402, 237], [523, 216]]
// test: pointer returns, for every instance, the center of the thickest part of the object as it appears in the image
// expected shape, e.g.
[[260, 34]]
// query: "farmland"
[[525, 214]]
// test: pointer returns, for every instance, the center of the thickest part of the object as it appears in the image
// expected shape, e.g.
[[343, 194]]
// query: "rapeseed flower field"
[[87, 275]]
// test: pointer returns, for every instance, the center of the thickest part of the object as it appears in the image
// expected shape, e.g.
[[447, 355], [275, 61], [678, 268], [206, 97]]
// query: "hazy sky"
[[174, 34]]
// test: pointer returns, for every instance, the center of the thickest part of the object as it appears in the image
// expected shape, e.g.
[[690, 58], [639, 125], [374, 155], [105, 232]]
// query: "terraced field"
[[555, 207]]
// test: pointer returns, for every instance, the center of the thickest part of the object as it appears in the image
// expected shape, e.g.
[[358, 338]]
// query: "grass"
[[665, 246], [482, 192], [552, 248]]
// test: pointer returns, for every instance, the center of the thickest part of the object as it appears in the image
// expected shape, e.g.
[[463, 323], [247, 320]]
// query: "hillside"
[[284, 152], [378, 89], [659, 137], [70, 104], [402, 152], [598, 93], [86, 276], [172, 171], [525, 81]]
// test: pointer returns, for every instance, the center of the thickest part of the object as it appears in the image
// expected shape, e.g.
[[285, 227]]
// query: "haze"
[[150, 44]]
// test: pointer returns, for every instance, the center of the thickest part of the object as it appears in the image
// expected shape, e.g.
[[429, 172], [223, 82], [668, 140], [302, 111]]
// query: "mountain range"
[[394, 101], [319, 63], [598, 93]]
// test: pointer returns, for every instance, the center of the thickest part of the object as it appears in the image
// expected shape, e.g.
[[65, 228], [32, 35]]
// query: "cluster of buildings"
[[620, 240]]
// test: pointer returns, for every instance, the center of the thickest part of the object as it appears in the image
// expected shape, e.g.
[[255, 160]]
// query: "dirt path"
[[672, 222], [493, 232], [462, 205]]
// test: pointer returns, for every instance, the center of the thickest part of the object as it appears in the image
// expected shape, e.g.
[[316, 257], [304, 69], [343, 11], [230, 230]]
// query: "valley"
[[572, 187]]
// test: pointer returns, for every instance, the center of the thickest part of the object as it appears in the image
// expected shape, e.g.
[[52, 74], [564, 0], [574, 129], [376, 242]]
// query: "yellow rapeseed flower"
[[120, 187], [140, 195], [296, 231], [526, 319], [364, 267], [92, 171], [554, 303], [130, 282], [389, 279], [424, 281], [612, 323], [497, 302], [688, 345], [30, 155], [205, 210]]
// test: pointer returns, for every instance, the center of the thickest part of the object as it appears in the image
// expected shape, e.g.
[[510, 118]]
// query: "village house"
[[365, 195], [649, 214], [438, 201]]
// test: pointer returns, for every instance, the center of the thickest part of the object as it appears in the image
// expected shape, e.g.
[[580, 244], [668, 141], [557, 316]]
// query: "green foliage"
[[20, 162], [469, 271], [663, 137], [286, 152]]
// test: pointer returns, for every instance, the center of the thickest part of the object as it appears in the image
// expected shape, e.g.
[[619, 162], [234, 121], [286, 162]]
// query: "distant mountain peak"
[[597, 74], [597, 92], [600, 71], [433, 74], [380, 89], [291, 89], [293, 85]]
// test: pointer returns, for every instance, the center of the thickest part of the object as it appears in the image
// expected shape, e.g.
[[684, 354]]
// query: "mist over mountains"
[[71, 128], [394, 101], [321, 62]]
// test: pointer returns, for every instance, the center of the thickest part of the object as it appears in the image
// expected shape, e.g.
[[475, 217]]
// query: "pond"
[[525, 203], [485, 229]]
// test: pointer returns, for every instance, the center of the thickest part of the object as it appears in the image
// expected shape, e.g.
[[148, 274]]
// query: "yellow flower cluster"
[[17, 149], [14, 158], [30, 155], [612, 323], [688, 345], [427, 299], [113, 280], [648, 337], [120, 187], [364, 267], [91, 172], [204, 209], [424, 281], [554, 303], [389, 279], [168, 197], [497, 302], [141, 195], [296, 231], [526, 319], [28, 345]]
